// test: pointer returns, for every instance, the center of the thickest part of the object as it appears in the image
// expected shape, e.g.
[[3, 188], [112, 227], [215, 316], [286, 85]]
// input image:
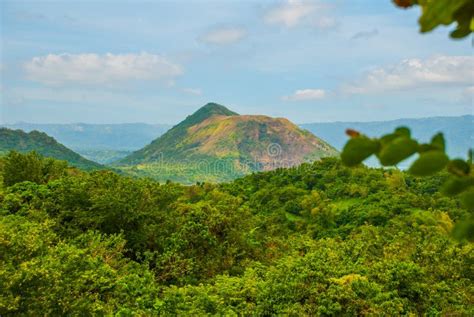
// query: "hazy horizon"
[[173, 123]]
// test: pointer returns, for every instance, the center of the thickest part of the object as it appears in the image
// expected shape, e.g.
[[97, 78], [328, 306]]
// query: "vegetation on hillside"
[[320, 239], [168, 142], [18, 140]]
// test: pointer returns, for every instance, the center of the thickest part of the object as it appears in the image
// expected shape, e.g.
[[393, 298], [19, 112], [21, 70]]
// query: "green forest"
[[228, 214], [42, 143], [320, 239]]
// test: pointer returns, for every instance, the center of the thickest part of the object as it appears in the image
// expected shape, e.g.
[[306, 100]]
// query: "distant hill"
[[215, 137], [458, 131], [45, 145], [102, 143]]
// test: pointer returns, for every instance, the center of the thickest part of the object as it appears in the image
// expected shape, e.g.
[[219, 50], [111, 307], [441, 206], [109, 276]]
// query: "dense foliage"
[[431, 158], [18, 140], [321, 239]]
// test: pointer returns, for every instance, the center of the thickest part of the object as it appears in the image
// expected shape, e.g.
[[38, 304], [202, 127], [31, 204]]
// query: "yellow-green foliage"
[[317, 240]]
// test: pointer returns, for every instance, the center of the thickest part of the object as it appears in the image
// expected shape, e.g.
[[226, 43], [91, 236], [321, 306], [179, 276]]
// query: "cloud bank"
[[58, 69], [416, 73]]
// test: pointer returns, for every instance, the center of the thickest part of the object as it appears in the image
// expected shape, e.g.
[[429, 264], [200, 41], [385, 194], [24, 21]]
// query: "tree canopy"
[[320, 239]]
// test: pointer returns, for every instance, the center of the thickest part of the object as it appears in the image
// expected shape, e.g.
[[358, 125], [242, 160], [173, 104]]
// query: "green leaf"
[[397, 150], [438, 12], [459, 167], [429, 163], [456, 185], [387, 138], [399, 132], [438, 142], [460, 33], [403, 131], [464, 18], [358, 149], [425, 148]]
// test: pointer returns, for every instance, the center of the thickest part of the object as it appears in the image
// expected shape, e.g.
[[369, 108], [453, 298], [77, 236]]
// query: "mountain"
[[102, 143], [106, 143], [45, 145], [458, 131], [216, 139]]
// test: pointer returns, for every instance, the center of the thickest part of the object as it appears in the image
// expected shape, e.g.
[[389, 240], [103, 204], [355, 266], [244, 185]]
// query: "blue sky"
[[156, 62]]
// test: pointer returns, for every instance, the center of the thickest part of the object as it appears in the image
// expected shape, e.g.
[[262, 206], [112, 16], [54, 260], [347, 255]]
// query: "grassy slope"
[[166, 143], [45, 145]]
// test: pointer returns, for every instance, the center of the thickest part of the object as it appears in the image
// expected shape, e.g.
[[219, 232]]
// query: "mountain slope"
[[103, 143], [86, 136], [45, 145], [168, 143], [216, 136]]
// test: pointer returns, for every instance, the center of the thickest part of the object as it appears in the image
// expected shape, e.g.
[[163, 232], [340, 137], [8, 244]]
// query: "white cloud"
[[470, 90], [305, 95], [416, 73], [64, 68], [224, 36], [294, 12], [192, 91]]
